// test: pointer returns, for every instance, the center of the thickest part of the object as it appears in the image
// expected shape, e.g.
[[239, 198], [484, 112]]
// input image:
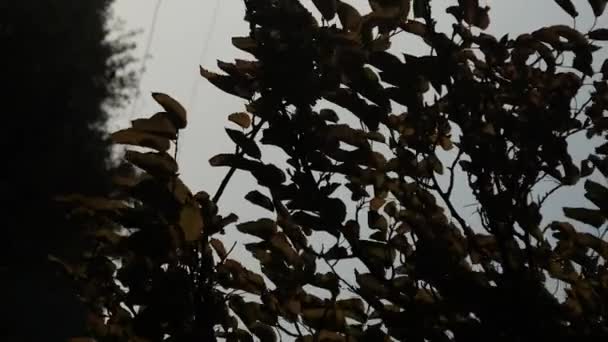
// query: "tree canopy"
[[361, 239], [61, 71]]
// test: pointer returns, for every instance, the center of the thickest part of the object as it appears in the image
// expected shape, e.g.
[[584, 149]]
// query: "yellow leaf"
[[160, 124], [131, 136], [247, 44], [177, 113], [241, 119], [446, 143], [376, 203], [157, 164], [218, 246], [191, 221]]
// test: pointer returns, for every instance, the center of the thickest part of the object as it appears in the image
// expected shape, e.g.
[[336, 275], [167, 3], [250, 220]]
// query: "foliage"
[[61, 71], [427, 273]]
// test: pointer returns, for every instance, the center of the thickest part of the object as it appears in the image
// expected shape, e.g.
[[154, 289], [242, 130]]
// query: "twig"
[[451, 186], [228, 177]]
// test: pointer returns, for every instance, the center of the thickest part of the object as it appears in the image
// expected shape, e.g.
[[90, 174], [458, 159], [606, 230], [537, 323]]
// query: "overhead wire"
[[204, 50], [202, 56], [147, 49]]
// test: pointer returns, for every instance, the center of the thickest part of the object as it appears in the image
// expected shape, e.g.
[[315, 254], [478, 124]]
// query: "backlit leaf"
[[156, 163], [219, 248], [131, 136], [191, 221], [160, 124], [241, 119], [176, 112]]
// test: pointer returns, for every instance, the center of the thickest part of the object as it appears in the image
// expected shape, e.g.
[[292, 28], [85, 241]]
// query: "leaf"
[[336, 253], [380, 235], [598, 6], [264, 332], [591, 217], [227, 84], [349, 17], [370, 285], [263, 228], [329, 115], [376, 221], [241, 119], [326, 318], [92, 203], [599, 34], [155, 163], [219, 248], [177, 113], [353, 308], [327, 8], [328, 281], [280, 243], [246, 44], [379, 250], [191, 221], [131, 136], [160, 124], [604, 70], [248, 145], [568, 6], [422, 9], [598, 194], [376, 203], [260, 199]]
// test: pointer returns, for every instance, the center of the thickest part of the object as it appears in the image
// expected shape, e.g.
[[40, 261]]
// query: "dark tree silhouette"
[[379, 192], [59, 72]]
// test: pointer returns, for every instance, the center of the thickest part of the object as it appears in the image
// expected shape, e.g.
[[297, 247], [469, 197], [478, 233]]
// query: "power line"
[[144, 59], [202, 55], [204, 50]]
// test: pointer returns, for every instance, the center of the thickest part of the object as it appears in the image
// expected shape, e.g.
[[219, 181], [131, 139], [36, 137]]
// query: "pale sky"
[[184, 25]]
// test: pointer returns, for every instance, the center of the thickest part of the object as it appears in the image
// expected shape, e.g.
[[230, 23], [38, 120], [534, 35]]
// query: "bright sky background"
[[183, 27]]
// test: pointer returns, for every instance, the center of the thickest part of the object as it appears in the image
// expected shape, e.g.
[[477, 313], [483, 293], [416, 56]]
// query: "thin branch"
[[231, 172], [451, 186], [467, 230]]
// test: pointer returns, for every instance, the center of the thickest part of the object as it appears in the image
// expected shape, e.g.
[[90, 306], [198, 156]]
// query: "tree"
[[60, 73], [426, 273]]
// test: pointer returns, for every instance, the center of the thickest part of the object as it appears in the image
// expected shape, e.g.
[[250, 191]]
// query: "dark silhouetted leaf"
[[260, 199], [598, 6], [599, 34], [591, 217], [327, 8], [568, 6], [262, 228], [349, 16], [246, 144]]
